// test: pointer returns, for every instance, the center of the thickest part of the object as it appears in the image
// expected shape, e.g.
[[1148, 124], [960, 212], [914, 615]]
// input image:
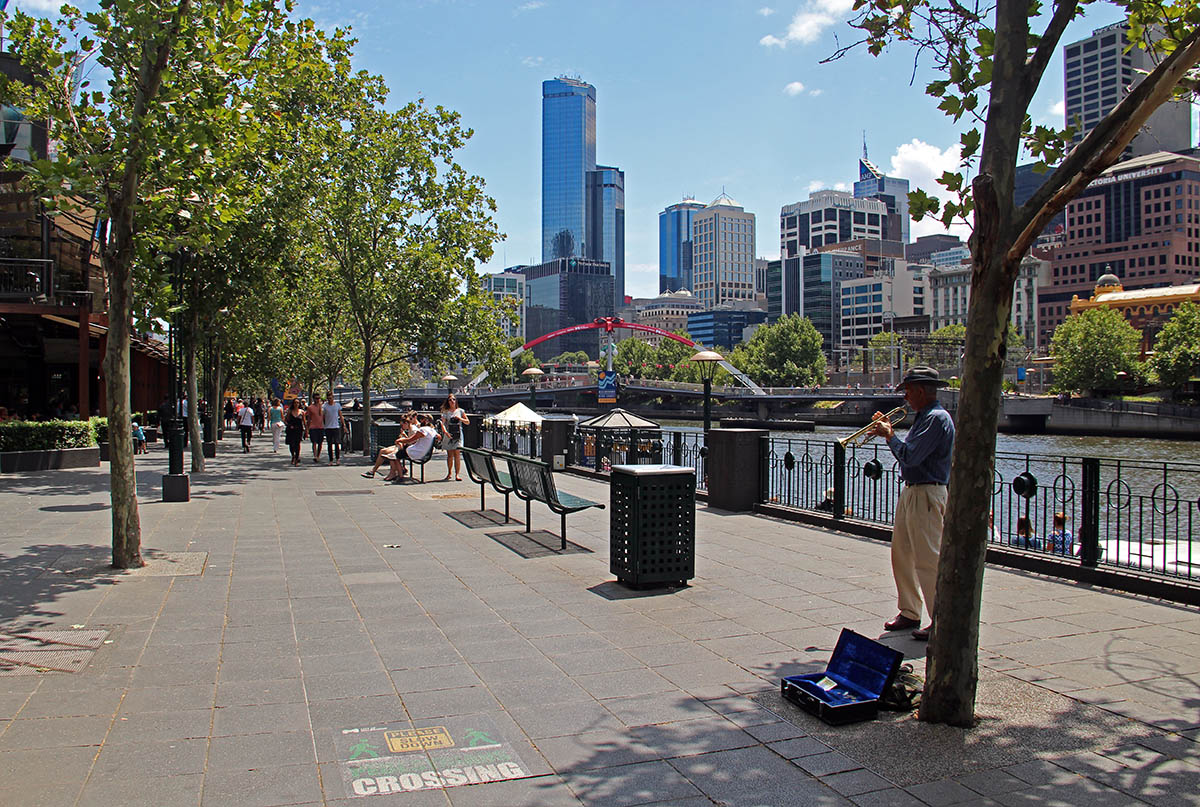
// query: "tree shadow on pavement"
[[29, 594]]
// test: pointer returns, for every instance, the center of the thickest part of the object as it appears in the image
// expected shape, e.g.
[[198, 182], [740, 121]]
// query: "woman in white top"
[[453, 419]]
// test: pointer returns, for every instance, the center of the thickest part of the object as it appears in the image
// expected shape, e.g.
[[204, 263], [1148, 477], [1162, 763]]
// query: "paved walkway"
[[323, 610]]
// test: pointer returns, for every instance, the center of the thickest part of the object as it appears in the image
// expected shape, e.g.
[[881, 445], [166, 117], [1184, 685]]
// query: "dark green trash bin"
[[652, 524]]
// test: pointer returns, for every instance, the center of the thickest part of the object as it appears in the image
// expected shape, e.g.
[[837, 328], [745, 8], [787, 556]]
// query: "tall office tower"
[[606, 224], [830, 217], [892, 191], [723, 253], [1098, 74], [568, 154], [675, 245]]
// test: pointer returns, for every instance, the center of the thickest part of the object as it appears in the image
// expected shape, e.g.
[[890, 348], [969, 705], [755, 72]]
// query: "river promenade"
[[304, 636]]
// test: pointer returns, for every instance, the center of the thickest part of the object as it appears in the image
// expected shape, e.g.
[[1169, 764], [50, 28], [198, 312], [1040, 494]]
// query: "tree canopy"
[[1177, 347], [785, 354], [1090, 348]]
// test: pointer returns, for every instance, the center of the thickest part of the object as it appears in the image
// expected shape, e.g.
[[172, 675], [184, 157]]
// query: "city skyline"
[[695, 102]]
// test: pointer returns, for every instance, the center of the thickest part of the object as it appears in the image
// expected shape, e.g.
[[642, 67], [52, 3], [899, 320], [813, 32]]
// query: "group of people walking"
[[320, 422]]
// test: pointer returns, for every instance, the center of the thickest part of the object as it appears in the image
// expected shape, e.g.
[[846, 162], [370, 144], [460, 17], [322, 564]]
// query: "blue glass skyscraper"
[[893, 192], [568, 154], [675, 246], [583, 205], [606, 224]]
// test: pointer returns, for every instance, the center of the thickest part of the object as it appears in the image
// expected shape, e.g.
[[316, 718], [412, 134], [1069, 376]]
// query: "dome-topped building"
[[1146, 309]]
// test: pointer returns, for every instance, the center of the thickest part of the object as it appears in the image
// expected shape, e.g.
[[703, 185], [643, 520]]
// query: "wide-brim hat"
[[921, 375]]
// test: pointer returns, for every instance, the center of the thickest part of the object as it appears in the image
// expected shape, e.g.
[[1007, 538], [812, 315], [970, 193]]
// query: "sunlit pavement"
[[337, 614]]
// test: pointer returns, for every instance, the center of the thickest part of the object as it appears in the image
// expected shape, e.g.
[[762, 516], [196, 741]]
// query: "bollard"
[[839, 480], [1089, 518]]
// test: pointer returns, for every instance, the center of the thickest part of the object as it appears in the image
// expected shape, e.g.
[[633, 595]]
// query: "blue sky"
[[691, 98]]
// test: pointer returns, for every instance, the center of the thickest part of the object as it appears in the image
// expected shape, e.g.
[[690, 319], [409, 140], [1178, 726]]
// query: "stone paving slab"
[[394, 606]]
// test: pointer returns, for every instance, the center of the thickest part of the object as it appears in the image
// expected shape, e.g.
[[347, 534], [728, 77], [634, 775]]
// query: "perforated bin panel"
[[652, 533]]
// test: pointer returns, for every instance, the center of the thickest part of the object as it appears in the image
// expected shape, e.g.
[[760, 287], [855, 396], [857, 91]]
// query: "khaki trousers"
[[916, 542]]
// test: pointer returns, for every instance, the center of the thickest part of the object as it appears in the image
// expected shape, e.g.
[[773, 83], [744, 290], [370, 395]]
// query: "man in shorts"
[[314, 420]]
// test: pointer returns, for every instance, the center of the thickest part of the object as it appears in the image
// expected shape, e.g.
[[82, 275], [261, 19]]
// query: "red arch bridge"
[[610, 324]]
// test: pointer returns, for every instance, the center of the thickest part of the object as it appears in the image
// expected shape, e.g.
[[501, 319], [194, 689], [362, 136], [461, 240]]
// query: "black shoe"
[[901, 622]]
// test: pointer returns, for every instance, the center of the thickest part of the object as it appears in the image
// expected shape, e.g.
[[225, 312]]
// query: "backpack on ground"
[[904, 693]]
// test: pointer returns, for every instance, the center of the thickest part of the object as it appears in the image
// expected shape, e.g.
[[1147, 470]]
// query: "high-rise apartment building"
[[1099, 73], [675, 245], [892, 191], [1139, 220], [583, 205], [828, 218], [723, 253], [508, 288]]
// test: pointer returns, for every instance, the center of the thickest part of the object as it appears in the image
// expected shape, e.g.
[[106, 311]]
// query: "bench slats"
[[533, 479]]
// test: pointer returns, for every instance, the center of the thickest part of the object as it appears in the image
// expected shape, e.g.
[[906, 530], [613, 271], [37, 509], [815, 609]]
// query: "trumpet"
[[895, 417]]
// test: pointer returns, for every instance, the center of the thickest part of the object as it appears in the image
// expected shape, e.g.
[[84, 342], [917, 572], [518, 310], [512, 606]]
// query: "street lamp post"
[[708, 360], [533, 373]]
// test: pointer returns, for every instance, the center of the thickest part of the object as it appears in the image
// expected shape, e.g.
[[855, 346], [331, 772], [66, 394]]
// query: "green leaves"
[[1091, 347], [1177, 347]]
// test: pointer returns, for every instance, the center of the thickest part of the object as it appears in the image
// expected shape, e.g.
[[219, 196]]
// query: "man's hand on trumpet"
[[882, 427]]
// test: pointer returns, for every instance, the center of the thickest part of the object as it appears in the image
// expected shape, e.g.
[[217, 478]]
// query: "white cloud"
[[921, 164], [810, 22], [532, 61], [766, 11], [794, 88], [822, 185], [532, 5], [815, 93], [41, 6], [1058, 109]]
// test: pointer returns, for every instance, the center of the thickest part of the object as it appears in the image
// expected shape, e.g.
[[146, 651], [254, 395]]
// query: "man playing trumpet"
[[924, 460]]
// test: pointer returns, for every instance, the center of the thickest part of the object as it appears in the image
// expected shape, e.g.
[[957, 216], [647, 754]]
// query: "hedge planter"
[[56, 459]]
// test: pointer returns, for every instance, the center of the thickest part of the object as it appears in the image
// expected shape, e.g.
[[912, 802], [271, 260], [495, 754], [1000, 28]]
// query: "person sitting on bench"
[[414, 444]]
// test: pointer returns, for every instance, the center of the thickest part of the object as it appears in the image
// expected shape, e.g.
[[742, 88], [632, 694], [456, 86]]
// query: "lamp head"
[[708, 360]]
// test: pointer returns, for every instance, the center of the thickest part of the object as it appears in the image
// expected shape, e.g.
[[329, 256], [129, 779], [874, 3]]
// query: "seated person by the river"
[[1060, 540], [826, 504], [1026, 538]]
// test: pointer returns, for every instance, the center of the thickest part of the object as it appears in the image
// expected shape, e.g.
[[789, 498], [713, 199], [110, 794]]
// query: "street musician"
[[924, 460]]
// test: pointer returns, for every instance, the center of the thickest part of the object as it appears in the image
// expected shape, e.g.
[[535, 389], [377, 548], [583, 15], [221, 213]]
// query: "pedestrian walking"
[[229, 413], [924, 460], [315, 421], [275, 423], [294, 426], [331, 414], [246, 427]]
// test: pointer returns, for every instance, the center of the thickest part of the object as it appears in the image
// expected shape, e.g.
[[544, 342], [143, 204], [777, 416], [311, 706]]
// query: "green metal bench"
[[481, 467], [533, 479]]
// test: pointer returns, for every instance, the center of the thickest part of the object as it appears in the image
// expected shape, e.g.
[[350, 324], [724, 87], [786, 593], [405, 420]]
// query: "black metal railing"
[[524, 439], [26, 278], [1130, 514]]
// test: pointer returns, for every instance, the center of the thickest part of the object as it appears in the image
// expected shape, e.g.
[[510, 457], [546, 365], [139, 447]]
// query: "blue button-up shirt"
[[924, 455]]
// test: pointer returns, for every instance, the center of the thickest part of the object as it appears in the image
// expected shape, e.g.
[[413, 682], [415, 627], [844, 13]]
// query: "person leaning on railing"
[[924, 460]]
